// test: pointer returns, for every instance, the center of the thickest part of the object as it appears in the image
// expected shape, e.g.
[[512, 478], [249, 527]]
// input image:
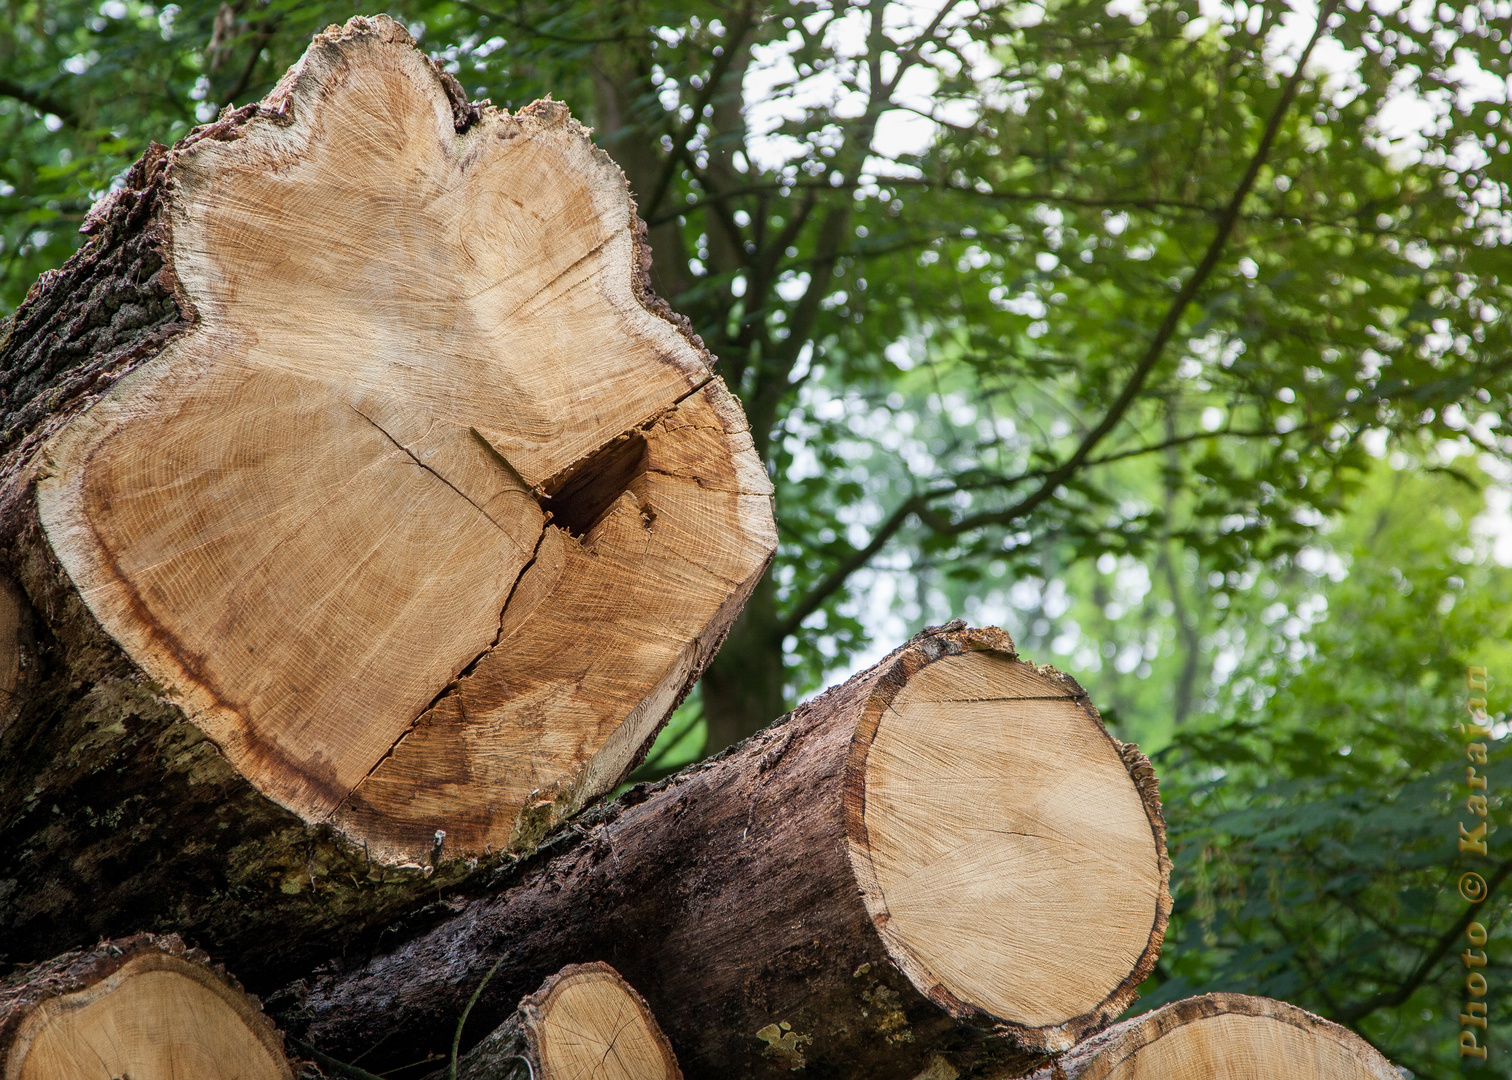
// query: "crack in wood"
[[453, 684], [415, 458]]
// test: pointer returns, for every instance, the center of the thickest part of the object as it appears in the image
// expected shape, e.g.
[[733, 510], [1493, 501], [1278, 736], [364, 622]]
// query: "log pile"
[[908, 862], [363, 517], [390, 544]]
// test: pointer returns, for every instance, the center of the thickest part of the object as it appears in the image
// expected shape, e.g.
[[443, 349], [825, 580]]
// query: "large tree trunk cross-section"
[[353, 437]]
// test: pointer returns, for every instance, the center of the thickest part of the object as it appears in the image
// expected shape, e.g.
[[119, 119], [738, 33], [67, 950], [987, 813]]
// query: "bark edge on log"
[[76, 973]]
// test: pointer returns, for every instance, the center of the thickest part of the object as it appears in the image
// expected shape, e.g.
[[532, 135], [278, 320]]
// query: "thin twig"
[[461, 1020]]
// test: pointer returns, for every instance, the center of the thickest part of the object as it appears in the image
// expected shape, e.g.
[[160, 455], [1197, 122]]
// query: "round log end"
[[586, 1021], [1011, 852], [431, 513], [1224, 1037], [144, 1008]]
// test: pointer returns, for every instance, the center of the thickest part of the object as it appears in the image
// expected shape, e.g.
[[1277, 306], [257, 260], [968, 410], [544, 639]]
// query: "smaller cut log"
[[948, 857], [143, 1007], [1223, 1037], [584, 1023]]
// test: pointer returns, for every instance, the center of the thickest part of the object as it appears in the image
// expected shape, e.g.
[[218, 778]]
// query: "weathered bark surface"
[[584, 1023], [1232, 1036], [803, 901], [363, 515], [142, 1007]]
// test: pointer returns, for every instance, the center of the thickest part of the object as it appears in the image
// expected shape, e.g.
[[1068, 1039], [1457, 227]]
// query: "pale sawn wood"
[[354, 438], [144, 1008], [584, 1023], [304, 519], [1224, 1037], [750, 898], [995, 818]]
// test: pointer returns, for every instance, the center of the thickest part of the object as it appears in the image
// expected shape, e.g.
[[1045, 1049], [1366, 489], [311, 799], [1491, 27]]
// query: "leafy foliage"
[[1314, 809]]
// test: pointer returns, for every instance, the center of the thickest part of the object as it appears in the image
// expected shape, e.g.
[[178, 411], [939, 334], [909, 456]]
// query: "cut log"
[[947, 855], [1223, 1037], [584, 1023], [354, 438], [142, 1007]]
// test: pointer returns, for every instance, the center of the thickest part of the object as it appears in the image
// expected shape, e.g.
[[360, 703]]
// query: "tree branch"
[[1389, 998], [1194, 282], [735, 41], [42, 102], [837, 577], [918, 505]]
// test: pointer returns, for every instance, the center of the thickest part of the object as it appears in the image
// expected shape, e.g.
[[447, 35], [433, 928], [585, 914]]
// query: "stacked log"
[[364, 517], [907, 865], [1227, 1036], [142, 1007], [584, 1023]]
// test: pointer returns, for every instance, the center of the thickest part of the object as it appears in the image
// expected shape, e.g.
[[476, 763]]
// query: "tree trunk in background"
[[946, 856], [366, 516], [1232, 1036], [743, 687], [142, 1007], [584, 1023]]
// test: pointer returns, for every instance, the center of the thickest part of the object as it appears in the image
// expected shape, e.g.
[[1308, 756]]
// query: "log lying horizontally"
[[142, 1007], [354, 438], [1224, 1036], [946, 855], [584, 1023]]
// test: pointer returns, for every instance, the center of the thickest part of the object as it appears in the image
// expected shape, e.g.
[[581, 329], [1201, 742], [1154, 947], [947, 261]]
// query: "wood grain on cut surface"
[[598, 642], [150, 1015], [1224, 1037], [1000, 830], [584, 1023], [307, 514]]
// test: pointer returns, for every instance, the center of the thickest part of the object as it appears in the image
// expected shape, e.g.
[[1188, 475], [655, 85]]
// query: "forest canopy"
[[1173, 336]]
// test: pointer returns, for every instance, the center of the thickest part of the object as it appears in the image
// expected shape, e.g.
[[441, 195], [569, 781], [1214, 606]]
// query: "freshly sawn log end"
[[584, 1023], [357, 429], [142, 1007], [1013, 871], [946, 857], [1223, 1037]]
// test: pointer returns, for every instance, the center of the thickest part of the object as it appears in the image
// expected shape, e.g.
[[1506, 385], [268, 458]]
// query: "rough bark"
[[756, 900], [584, 1023], [1233, 1036], [363, 515], [143, 1007]]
